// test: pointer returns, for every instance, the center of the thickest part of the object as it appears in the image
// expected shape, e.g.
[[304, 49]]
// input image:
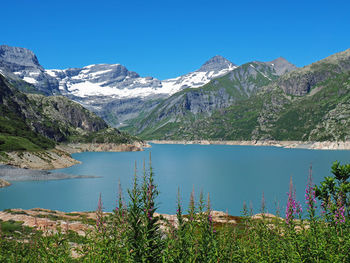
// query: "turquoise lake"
[[231, 174]]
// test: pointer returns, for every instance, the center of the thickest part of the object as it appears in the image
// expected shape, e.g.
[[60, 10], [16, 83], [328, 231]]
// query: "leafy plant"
[[334, 193]]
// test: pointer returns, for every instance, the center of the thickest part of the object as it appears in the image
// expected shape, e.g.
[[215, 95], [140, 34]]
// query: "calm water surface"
[[231, 174]]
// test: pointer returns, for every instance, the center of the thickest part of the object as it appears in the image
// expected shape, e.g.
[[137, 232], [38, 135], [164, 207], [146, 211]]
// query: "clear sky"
[[166, 39]]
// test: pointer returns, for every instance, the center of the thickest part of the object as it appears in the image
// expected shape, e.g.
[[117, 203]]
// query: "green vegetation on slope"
[[32, 122], [312, 103], [324, 115], [192, 106], [16, 135]]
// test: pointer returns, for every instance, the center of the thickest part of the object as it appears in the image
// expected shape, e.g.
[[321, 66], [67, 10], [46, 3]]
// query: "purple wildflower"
[[210, 218], [299, 208], [99, 214], [291, 205], [339, 215], [310, 197]]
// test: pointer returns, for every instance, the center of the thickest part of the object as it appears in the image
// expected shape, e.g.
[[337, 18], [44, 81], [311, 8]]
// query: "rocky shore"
[[29, 166], [80, 222], [60, 157], [102, 147], [326, 145], [4, 183]]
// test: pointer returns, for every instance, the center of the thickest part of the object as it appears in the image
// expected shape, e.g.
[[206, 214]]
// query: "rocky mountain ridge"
[[301, 81], [21, 63]]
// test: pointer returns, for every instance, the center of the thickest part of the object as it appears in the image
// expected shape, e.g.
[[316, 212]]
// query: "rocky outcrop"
[[43, 219], [42, 160], [103, 147], [301, 81], [67, 113], [24, 64], [4, 183]]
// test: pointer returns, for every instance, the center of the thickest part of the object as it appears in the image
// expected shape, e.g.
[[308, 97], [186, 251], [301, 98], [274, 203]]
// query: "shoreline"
[[13, 174], [60, 156], [29, 166], [326, 145], [46, 219]]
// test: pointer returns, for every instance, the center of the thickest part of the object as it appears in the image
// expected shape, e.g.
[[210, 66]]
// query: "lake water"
[[231, 174]]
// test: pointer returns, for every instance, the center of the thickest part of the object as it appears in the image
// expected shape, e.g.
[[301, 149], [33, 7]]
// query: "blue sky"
[[165, 38]]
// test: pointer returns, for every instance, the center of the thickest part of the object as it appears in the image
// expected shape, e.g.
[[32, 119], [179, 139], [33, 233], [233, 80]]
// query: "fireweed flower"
[[291, 204], [339, 214], [299, 209], [99, 215], [289, 208], [210, 218], [310, 197]]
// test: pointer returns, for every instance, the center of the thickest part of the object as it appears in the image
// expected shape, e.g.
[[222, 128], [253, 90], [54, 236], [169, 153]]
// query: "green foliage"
[[334, 192], [15, 135]]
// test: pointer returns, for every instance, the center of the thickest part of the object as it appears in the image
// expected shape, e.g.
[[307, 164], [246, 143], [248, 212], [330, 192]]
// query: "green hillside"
[[32, 122], [311, 103]]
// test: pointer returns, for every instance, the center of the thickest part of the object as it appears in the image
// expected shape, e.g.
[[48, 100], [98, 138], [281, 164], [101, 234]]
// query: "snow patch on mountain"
[[30, 80]]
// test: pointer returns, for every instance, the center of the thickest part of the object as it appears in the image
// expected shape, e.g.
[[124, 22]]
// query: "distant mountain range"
[[220, 100], [110, 90]]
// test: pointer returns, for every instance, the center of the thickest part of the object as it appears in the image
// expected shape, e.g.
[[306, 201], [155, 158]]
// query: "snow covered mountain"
[[110, 90], [213, 68], [111, 80], [114, 80]]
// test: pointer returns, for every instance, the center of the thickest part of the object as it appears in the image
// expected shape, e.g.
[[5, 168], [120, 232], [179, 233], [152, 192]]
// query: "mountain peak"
[[217, 63], [281, 65], [279, 60], [18, 57]]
